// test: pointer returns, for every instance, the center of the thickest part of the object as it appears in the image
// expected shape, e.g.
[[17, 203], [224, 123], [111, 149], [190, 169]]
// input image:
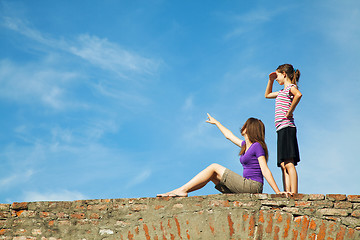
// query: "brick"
[[178, 206], [335, 219], [4, 207], [322, 204], [304, 226], [322, 231], [356, 205], [94, 216], [19, 206], [4, 231], [36, 232], [292, 210], [261, 196], [251, 225], [261, 216], [278, 217], [2, 223], [313, 197], [138, 207], [20, 231], [343, 204], [157, 207], [78, 215], [269, 226], [356, 213], [354, 198], [101, 207], [231, 224], [287, 227], [277, 203], [24, 214], [24, 238], [312, 225], [350, 234], [218, 203], [64, 223], [251, 204], [351, 221], [303, 204], [341, 233], [299, 196], [334, 212], [44, 214], [5, 214], [336, 197], [278, 196]]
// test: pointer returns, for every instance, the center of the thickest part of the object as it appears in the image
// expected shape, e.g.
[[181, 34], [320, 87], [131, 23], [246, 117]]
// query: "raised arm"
[[227, 133], [267, 174], [268, 92]]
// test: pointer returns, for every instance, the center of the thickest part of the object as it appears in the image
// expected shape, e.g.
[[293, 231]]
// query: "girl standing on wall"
[[285, 104], [253, 157]]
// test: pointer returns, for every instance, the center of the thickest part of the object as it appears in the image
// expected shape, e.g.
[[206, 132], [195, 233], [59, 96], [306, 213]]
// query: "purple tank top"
[[250, 162]]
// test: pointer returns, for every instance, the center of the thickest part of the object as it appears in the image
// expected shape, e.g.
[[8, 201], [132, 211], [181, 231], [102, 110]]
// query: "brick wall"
[[233, 216]]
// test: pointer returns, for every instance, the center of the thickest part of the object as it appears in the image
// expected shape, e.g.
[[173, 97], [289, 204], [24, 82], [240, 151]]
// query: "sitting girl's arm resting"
[[267, 174], [227, 133]]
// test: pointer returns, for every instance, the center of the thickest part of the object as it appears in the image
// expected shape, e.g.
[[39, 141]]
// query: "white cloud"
[[245, 23], [61, 195], [16, 178], [98, 51], [139, 178], [128, 100], [47, 82], [188, 104], [36, 82], [111, 56]]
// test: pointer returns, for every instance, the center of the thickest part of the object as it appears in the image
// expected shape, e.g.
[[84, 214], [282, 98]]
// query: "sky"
[[108, 99]]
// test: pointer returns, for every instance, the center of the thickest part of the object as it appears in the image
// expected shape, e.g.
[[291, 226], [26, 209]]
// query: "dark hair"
[[291, 72], [255, 130]]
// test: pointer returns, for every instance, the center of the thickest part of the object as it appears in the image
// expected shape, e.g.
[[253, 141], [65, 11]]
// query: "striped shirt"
[[282, 106]]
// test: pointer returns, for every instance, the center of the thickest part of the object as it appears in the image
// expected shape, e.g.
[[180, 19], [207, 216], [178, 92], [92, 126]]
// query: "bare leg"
[[212, 173], [286, 178], [291, 170]]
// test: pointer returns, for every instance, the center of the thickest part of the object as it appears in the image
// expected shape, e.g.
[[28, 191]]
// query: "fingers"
[[272, 76], [209, 118]]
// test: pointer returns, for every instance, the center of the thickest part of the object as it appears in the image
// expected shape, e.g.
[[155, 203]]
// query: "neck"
[[247, 141], [287, 83]]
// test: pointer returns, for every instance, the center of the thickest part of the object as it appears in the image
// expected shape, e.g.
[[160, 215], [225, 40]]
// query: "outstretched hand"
[[211, 119], [272, 76]]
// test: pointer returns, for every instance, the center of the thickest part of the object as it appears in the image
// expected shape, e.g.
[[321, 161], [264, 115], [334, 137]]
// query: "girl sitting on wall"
[[253, 157]]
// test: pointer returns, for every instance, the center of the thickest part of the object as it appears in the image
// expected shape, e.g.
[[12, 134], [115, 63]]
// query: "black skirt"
[[287, 145]]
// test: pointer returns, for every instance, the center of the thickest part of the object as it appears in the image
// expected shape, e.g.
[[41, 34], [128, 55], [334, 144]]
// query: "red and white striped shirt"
[[282, 106]]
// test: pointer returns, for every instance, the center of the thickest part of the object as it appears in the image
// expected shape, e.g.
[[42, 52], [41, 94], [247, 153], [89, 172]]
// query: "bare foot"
[[174, 193]]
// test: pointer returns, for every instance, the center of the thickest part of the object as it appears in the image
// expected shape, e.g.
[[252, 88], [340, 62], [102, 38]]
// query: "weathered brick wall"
[[233, 216]]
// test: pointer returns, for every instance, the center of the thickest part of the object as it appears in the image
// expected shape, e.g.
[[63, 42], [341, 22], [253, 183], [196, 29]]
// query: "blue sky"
[[108, 99]]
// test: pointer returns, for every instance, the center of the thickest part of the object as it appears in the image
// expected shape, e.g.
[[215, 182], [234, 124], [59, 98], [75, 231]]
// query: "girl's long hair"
[[255, 130], [291, 72]]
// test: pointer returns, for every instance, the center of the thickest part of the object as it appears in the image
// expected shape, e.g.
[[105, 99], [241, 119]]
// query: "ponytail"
[[291, 72]]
